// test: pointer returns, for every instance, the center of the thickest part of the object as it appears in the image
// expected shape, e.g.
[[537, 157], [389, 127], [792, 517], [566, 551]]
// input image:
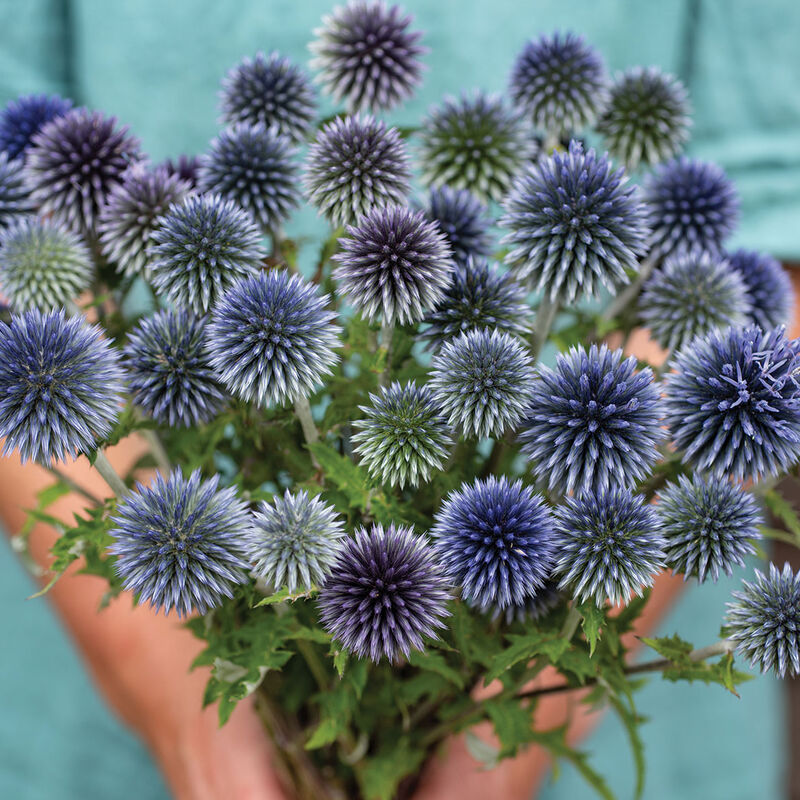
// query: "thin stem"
[[303, 411], [571, 623], [109, 474], [631, 291], [276, 235], [157, 449], [548, 308], [387, 330], [314, 664], [75, 487]]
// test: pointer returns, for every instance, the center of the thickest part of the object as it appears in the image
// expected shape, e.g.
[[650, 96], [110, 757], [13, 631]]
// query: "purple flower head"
[[22, 118], [768, 285], [463, 219], [14, 197], [184, 167]]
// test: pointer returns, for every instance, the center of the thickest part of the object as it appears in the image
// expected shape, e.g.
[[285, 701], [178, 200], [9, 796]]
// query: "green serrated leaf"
[[783, 510], [383, 772], [672, 647], [350, 479], [284, 595], [593, 618], [436, 662], [512, 724]]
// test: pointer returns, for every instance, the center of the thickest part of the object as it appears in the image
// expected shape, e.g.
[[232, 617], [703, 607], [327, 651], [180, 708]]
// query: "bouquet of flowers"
[[371, 497]]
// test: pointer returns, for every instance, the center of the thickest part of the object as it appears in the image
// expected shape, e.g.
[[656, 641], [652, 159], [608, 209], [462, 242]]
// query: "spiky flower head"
[[546, 598], [168, 369], [475, 142], [394, 263], [768, 285], [385, 593], [494, 540], [184, 167], [367, 56], [609, 546], [269, 90], [708, 525], [22, 118], [201, 247], [403, 436], [594, 422], [42, 264], [60, 386], [691, 295], [355, 165], [463, 219], [14, 197], [272, 337], [733, 402], [574, 225], [181, 543]]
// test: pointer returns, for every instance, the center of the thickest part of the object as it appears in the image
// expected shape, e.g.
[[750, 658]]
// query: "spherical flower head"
[[479, 296], [574, 225], [60, 386], [254, 167], [768, 286], [691, 295], [384, 595], [494, 540], [475, 142], [272, 337], [733, 402], [42, 264], [201, 247], [295, 541], [594, 422], [463, 219], [367, 56], [355, 165], [269, 90], [74, 162], [609, 546], [647, 117], [22, 118], [708, 525], [14, 198], [403, 435], [394, 263], [184, 167], [483, 381], [181, 543], [168, 369], [764, 620], [561, 82]]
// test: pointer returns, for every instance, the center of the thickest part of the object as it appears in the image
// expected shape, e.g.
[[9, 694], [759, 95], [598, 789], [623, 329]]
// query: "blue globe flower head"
[[354, 166], [574, 225], [168, 369], [764, 620], [184, 167], [544, 600], [394, 264], [594, 423], [385, 594], [272, 337], [691, 295], [295, 541], [269, 90], [768, 285], [60, 386], [14, 197], [483, 381], [181, 543], [733, 402], [367, 55], [200, 248], [463, 219], [494, 540], [609, 546], [708, 524], [22, 118]]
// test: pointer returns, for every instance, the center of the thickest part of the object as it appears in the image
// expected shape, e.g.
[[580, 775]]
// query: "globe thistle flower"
[[483, 381], [253, 166], [768, 286], [367, 55], [403, 436], [708, 525], [295, 541], [42, 264], [733, 402], [464, 221], [355, 165], [181, 543], [201, 247], [494, 540], [692, 207], [22, 118], [609, 546], [573, 225], [475, 143], [168, 370], [14, 199], [272, 337], [184, 167], [691, 295], [59, 386], [647, 117], [544, 600], [269, 90], [394, 263], [561, 83], [594, 422], [384, 595], [479, 296], [128, 219], [74, 162]]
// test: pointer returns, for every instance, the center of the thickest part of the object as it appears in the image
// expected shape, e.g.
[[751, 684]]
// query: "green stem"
[[546, 315], [631, 291], [314, 664], [387, 331], [109, 474], [75, 487], [157, 449], [303, 411]]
